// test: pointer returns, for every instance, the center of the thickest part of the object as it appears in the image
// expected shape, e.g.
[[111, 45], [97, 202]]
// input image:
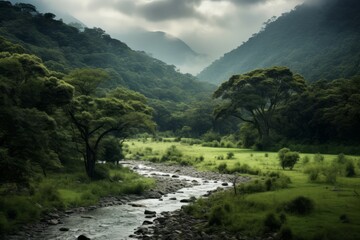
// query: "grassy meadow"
[[260, 208]]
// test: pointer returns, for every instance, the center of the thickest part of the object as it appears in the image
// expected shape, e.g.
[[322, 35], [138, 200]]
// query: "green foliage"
[[300, 205], [285, 233], [318, 158], [288, 158], [293, 36], [258, 94], [271, 223], [216, 216], [222, 168], [229, 155]]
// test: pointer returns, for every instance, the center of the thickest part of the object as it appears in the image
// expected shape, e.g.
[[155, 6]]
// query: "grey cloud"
[[169, 9]]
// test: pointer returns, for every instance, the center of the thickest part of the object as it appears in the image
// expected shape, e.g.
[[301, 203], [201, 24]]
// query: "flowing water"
[[118, 222]]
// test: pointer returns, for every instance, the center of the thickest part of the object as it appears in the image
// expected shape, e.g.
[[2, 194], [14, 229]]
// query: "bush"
[[285, 233], [252, 187], [300, 205], [318, 158], [350, 169], [287, 158], [229, 155], [101, 172], [271, 223], [305, 160], [222, 168], [216, 216], [313, 172]]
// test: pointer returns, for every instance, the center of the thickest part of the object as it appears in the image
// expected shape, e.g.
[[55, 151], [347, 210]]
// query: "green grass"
[[63, 191], [247, 212]]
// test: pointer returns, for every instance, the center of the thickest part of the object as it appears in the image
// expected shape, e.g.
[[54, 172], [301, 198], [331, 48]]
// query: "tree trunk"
[[90, 162]]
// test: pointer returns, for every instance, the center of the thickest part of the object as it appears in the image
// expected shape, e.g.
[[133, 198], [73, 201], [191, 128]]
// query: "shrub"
[[318, 158], [350, 169], [252, 187], [282, 152], [216, 216], [222, 168], [330, 173], [300, 205], [271, 223], [305, 160], [229, 155], [313, 172], [101, 172], [344, 218], [285, 233], [288, 158]]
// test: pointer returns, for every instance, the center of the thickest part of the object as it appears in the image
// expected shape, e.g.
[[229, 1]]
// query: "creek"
[[121, 221]]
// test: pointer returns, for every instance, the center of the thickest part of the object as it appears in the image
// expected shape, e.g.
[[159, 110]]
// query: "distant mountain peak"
[[317, 39]]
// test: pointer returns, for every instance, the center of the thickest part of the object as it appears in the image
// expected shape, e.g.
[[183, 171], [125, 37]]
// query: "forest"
[[75, 103]]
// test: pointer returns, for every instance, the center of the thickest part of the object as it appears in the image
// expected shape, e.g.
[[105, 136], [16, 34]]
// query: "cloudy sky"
[[213, 27]]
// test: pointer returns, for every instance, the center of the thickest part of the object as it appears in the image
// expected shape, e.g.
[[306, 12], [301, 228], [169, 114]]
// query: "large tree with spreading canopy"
[[255, 96]]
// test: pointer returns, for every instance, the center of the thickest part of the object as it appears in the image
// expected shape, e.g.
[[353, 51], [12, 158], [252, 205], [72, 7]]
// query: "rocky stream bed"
[[156, 214]]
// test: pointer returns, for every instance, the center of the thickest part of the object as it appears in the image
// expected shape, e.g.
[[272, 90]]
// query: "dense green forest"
[[71, 98], [319, 41], [63, 48]]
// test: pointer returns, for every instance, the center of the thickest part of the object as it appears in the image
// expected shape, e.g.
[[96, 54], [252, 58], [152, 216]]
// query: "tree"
[[28, 95], [288, 158], [120, 113], [254, 97]]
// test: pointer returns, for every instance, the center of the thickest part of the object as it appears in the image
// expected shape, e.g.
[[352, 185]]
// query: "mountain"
[[63, 48], [318, 40], [163, 46]]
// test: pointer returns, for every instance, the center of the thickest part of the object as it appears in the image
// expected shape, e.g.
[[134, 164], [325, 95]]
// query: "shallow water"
[[118, 222]]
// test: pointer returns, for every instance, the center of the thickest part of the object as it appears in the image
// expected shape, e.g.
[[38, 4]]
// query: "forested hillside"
[[319, 41], [63, 48]]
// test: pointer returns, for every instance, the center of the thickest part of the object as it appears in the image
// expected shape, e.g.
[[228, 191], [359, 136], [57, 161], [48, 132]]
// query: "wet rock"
[[185, 201], [142, 230], [53, 215], [225, 184], [175, 176], [83, 237], [136, 205], [172, 198], [64, 229], [53, 221], [86, 216], [147, 222], [149, 212], [69, 211]]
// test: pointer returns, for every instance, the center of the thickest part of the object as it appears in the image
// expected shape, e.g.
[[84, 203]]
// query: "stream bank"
[[118, 217]]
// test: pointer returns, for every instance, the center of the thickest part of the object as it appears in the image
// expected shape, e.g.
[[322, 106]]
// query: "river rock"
[[53, 221], [225, 184], [136, 205], [147, 222], [172, 198], [149, 212], [64, 229], [83, 237], [86, 216]]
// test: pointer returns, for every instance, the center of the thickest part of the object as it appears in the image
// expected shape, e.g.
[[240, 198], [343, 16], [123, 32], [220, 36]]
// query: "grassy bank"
[[263, 206], [68, 189]]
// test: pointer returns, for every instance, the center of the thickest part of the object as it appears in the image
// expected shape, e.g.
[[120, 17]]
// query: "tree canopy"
[[255, 96]]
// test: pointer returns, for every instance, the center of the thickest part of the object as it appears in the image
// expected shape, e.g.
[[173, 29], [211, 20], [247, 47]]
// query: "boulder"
[[83, 237], [149, 212]]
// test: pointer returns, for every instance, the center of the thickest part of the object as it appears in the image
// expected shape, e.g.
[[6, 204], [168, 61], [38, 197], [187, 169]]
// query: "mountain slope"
[[160, 45], [63, 48], [320, 41]]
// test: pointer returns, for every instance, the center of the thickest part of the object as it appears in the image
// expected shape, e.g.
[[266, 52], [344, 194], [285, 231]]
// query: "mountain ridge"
[[303, 40]]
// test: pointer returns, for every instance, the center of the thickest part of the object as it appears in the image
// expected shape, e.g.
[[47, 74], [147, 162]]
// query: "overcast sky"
[[213, 27]]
